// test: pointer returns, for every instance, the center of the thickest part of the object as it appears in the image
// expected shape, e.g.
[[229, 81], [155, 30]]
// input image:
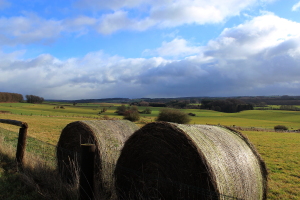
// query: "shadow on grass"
[[37, 180], [11, 184]]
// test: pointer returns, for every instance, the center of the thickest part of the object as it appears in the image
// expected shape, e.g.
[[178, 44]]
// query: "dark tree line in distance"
[[227, 105], [34, 99], [10, 97]]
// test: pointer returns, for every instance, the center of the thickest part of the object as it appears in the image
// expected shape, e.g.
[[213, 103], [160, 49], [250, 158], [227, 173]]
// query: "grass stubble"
[[37, 179], [280, 151]]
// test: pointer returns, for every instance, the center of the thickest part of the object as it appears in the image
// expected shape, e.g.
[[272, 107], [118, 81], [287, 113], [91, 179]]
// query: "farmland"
[[280, 150]]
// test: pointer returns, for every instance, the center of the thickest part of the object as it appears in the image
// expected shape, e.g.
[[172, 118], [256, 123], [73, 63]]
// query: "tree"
[[34, 99], [121, 109], [134, 108], [147, 111], [132, 115], [144, 103], [280, 128], [227, 105], [173, 115], [10, 97], [177, 104]]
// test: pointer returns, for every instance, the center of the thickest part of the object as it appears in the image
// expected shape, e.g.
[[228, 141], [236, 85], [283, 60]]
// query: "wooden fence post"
[[21, 146], [86, 181]]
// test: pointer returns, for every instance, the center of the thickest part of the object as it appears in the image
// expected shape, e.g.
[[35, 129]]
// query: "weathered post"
[[86, 181], [21, 146]]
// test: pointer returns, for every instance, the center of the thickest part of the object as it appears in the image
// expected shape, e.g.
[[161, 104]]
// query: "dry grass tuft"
[[38, 176]]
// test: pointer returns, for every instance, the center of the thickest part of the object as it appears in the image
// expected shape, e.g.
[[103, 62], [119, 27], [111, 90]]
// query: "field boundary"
[[243, 128], [51, 162]]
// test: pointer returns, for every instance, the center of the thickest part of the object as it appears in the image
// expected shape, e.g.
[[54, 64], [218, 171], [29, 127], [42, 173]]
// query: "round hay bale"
[[174, 161], [108, 136]]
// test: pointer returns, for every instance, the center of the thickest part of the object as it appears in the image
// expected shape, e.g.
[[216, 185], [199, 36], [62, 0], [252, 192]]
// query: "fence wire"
[[46, 153]]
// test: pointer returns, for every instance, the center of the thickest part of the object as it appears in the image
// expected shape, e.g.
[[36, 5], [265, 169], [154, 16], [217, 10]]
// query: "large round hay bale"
[[108, 136], [175, 161]]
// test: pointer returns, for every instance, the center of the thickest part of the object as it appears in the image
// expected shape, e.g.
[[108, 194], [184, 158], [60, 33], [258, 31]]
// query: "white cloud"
[[113, 22], [80, 21], [261, 33], [29, 29], [119, 20], [177, 47], [162, 14], [296, 6], [138, 15], [104, 4], [259, 57]]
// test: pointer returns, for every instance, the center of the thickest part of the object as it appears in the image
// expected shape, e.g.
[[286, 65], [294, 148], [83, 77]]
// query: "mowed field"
[[280, 150]]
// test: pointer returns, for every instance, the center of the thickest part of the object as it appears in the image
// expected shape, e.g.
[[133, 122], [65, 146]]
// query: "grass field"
[[281, 151]]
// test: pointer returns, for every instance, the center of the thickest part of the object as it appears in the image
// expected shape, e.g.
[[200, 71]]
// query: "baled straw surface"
[[173, 161], [108, 136]]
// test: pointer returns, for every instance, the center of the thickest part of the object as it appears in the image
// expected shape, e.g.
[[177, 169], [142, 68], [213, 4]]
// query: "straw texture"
[[108, 136], [173, 161]]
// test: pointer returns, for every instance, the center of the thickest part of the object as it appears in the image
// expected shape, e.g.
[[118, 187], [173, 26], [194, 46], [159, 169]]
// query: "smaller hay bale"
[[174, 161], [108, 136]]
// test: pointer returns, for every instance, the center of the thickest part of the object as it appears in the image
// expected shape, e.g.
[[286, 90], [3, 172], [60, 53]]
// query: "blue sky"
[[80, 49]]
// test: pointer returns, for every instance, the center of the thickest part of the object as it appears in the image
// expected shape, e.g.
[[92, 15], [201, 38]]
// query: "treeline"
[[282, 107], [227, 105], [170, 104], [272, 100], [289, 107], [10, 97], [34, 99], [106, 100]]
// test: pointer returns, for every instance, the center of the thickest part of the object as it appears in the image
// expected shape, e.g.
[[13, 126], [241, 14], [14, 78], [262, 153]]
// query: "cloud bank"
[[116, 15], [259, 57]]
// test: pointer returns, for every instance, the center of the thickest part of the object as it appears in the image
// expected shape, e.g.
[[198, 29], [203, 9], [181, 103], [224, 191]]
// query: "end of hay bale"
[[158, 161], [171, 161], [108, 137]]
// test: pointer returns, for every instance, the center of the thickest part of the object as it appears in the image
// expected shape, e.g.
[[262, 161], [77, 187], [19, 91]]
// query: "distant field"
[[250, 118], [46, 123], [281, 151]]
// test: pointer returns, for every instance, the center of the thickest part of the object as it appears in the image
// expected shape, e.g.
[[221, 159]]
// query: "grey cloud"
[[284, 47], [169, 79], [274, 68]]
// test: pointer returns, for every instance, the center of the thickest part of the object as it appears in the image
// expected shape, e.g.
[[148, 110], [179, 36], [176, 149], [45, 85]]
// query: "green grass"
[[250, 118], [42, 149], [281, 151]]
